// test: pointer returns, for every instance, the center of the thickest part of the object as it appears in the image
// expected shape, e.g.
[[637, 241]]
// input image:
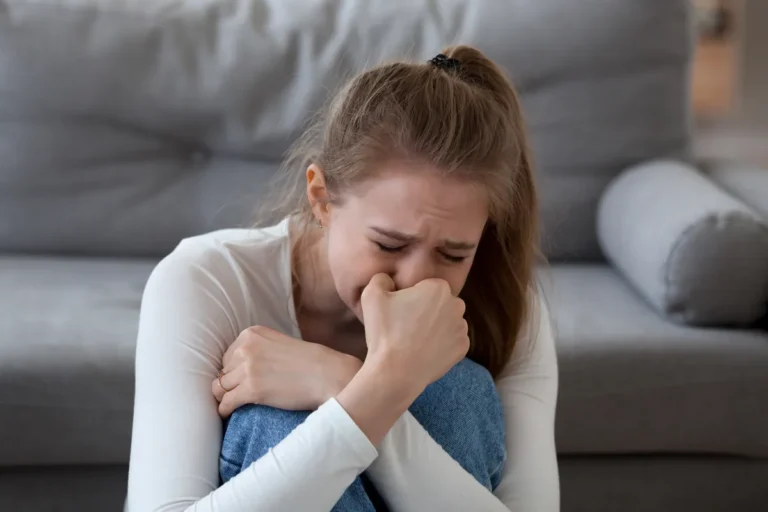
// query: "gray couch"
[[126, 126]]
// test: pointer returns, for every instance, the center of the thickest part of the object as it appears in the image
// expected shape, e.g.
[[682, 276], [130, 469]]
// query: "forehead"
[[417, 197]]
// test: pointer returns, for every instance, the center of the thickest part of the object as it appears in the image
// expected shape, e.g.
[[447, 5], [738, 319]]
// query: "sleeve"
[[187, 321], [413, 472], [528, 389]]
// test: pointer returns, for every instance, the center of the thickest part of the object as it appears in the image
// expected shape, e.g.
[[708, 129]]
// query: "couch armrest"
[[747, 182], [696, 253]]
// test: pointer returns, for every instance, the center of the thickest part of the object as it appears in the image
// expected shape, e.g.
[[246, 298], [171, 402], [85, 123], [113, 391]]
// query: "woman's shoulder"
[[238, 250], [243, 270], [233, 243]]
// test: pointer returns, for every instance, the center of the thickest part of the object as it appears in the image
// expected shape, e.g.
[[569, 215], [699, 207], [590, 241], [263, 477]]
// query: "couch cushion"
[[632, 382], [67, 338], [126, 126]]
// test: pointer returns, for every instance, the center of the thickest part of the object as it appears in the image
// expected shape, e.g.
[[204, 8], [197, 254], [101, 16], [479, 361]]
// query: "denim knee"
[[462, 412], [251, 431]]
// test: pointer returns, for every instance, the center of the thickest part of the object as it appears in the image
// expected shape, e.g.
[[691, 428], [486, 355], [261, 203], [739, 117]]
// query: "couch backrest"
[[126, 125]]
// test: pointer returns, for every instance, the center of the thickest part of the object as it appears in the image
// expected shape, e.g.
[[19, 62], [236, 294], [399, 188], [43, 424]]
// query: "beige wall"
[[754, 62]]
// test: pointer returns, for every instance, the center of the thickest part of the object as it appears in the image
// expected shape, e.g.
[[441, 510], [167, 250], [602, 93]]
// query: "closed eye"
[[395, 249], [389, 248], [454, 259]]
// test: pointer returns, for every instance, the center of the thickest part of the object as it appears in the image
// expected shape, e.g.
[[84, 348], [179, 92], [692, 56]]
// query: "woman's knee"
[[462, 412], [469, 387], [251, 431]]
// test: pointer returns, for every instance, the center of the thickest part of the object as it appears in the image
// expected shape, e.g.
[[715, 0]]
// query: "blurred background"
[[730, 79], [128, 125]]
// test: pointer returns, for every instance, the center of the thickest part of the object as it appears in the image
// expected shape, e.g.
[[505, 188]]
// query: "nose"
[[412, 270]]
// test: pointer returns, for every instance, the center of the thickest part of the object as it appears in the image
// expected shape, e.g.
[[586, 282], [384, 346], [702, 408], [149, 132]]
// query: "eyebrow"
[[405, 238]]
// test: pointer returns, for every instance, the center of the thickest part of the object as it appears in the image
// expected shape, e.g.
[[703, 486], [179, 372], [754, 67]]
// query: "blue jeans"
[[461, 411]]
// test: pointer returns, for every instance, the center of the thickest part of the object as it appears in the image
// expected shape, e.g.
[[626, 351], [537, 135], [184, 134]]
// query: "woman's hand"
[[420, 330], [414, 337], [266, 367]]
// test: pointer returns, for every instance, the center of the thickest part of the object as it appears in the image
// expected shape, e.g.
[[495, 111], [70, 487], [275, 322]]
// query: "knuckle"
[[461, 306], [240, 352], [462, 336]]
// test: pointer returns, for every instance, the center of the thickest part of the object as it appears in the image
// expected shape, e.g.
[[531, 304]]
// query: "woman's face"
[[410, 223]]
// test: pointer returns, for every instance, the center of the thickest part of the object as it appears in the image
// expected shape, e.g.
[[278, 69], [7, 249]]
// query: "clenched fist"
[[420, 331]]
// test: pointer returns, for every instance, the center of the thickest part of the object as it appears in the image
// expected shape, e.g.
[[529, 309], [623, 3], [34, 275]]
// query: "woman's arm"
[[192, 308], [413, 472], [528, 391]]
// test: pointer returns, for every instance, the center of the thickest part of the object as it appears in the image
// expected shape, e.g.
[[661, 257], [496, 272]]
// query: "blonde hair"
[[465, 121]]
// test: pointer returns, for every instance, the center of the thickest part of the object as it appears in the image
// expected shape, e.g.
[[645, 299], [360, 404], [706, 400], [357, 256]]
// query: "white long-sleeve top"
[[196, 303]]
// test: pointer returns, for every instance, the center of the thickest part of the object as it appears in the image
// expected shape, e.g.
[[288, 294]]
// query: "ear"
[[317, 194]]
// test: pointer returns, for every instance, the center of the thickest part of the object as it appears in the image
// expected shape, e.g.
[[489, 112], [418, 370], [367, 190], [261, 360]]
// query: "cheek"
[[352, 263], [457, 277]]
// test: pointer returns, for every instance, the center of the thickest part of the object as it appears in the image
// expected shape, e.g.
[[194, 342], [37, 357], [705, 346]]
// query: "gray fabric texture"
[[125, 126], [589, 484], [95, 488], [66, 358], [630, 381], [747, 182], [633, 382], [128, 125], [662, 484], [695, 252]]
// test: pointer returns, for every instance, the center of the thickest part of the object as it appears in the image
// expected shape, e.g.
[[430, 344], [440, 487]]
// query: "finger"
[[231, 401], [217, 390], [230, 352], [381, 283], [235, 353], [245, 342], [461, 307], [437, 282], [227, 383]]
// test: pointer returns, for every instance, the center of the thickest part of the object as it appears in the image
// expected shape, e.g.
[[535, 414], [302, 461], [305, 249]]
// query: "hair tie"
[[441, 61]]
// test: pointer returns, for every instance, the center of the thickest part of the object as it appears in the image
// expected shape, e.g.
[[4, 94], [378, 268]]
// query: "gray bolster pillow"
[[696, 253]]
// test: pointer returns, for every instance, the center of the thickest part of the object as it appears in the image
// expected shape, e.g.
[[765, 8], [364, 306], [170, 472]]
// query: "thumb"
[[373, 298], [379, 285]]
